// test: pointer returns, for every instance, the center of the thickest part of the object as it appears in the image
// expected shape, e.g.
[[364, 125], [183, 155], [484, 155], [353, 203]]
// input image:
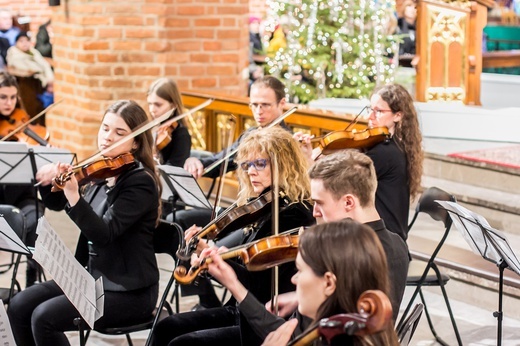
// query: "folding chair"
[[16, 220], [429, 274], [406, 329], [166, 240]]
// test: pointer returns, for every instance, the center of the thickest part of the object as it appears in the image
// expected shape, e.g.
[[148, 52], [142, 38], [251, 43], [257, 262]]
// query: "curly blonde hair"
[[279, 146], [407, 134]]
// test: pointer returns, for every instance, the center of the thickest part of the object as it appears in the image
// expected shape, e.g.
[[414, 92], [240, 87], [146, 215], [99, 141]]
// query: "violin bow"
[[233, 152], [37, 116], [275, 228], [146, 127], [355, 120], [222, 180]]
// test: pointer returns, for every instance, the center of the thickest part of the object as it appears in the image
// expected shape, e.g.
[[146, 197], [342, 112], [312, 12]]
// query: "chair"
[[406, 330], [166, 240], [16, 220], [429, 274]]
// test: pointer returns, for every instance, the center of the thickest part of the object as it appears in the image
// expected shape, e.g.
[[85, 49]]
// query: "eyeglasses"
[[264, 106], [258, 164], [378, 112]]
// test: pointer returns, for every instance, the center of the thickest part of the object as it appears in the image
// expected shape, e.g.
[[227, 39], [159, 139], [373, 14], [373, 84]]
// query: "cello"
[[374, 313]]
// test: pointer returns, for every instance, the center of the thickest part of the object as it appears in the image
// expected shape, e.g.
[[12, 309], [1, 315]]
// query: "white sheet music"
[[9, 240], [184, 185], [77, 284], [6, 333]]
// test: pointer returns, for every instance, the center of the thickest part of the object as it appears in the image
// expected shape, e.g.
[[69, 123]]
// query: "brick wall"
[[108, 50], [257, 8]]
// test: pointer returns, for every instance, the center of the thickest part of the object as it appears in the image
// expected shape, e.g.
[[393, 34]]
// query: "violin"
[[259, 255], [231, 219], [97, 170], [338, 140], [32, 134], [374, 314], [164, 133]]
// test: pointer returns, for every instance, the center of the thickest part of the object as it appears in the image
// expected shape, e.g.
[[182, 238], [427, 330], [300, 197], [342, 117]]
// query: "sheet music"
[[15, 166], [185, 187], [45, 155], [484, 240], [6, 333], [9, 240], [77, 284]]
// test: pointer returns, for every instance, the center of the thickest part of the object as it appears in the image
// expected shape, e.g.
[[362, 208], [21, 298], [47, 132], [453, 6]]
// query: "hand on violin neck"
[[47, 173], [224, 273], [287, 304]]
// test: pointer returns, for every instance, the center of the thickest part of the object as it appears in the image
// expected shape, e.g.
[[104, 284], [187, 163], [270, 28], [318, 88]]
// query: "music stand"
[[487, 242], [180, 184], [10, 241]]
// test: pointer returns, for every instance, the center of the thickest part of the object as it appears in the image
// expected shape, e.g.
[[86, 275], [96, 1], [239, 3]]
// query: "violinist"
[[343, 185], [116, 217], [267, 100], [336, 263], [173, 141], [256, 156], [397, 160], [21, 196]]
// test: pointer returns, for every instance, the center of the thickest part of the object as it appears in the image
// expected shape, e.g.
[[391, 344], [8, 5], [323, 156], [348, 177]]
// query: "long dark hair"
[[134, 116], [353, 253]]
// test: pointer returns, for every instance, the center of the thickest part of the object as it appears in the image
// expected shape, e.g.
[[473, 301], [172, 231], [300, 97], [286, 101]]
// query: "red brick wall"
[[108, 50], [258, 8]]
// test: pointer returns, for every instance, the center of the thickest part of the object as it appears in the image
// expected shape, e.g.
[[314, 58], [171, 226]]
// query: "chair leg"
[[409, 306], [78, 323], [129, 339], [430, 323], [448, 306]]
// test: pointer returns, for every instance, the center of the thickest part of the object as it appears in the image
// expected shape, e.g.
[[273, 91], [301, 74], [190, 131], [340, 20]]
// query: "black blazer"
[[117, 226]]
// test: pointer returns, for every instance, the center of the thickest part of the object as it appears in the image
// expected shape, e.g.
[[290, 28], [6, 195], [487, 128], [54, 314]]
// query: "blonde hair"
[[279, 146]]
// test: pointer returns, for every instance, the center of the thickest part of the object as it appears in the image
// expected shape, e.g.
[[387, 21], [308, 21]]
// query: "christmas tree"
[[335, 48]]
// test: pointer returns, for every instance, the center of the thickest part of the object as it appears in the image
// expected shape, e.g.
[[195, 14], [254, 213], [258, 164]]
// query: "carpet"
[[503, 156]]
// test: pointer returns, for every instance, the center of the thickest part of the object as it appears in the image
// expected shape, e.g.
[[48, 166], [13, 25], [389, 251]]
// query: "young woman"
[[336, 263], [21, 196], [398, 161], [117, 218], [173, 142], [257, 156]]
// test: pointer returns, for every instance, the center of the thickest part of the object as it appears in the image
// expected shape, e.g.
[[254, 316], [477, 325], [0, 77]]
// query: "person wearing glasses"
[[257, 156], [398, 160], [267, 100]]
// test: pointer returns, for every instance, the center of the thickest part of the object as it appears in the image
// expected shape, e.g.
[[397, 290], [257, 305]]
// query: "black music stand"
[[180, 184], [20, 162], [10, 241], [487, 242]]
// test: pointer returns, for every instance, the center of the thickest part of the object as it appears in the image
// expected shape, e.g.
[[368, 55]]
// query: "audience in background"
[[23, 58]]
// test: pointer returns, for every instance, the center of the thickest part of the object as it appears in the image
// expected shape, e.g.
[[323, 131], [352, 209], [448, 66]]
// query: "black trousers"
[[217, 326], [41, 313]]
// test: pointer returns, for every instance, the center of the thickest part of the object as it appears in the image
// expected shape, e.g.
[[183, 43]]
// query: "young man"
[[343, 185]]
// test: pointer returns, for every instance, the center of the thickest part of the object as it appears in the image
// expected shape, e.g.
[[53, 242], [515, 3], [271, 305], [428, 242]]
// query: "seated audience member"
[[336, 263], [43, 39], [7, 30], [24, 58]]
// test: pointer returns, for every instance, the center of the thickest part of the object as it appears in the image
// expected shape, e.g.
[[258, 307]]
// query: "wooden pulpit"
[[449, 47]]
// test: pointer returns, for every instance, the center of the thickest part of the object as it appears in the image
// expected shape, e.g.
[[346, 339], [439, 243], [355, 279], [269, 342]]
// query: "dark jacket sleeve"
[[261, 321], [178, 150]]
